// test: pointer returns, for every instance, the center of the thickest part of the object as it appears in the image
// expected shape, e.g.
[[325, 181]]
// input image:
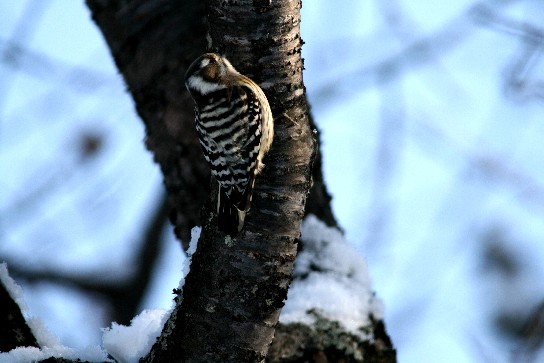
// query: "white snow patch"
[[331, 278], [33, 354], [50, 344], [44, 336], [195, 235], [13, 289], [127, 344]]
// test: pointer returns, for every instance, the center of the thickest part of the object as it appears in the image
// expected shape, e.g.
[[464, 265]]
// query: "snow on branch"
[[330, 280]]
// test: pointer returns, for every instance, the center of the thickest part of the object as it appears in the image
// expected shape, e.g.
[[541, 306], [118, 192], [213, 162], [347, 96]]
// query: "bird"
[[235, 128]]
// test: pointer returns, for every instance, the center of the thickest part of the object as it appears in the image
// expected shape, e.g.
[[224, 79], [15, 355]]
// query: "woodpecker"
[[235, 127]]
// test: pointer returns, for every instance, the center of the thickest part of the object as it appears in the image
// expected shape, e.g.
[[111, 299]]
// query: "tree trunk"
[[236, 288], [13, 329]]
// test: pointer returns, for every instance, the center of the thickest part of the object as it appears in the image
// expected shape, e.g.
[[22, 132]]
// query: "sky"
[[431, 119]]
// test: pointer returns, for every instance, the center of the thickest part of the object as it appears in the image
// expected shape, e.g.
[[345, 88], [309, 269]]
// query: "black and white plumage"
[[235, 127]]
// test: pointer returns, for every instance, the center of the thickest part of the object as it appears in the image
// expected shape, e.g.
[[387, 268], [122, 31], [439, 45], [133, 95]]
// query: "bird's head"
[[208, 73]]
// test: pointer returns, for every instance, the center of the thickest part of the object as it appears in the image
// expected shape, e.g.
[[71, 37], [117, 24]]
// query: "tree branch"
[[13, 329]]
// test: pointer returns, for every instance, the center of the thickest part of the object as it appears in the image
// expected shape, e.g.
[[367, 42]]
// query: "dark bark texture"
[[13, 329], [326, 341]]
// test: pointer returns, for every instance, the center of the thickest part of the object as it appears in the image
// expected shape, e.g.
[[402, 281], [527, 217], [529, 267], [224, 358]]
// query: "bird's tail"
[[229, 218]]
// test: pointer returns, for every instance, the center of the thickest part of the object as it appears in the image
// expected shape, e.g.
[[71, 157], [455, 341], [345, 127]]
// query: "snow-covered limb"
[[33, 354], [49, 343], [331, 307], [331, 279], [127, 344]]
